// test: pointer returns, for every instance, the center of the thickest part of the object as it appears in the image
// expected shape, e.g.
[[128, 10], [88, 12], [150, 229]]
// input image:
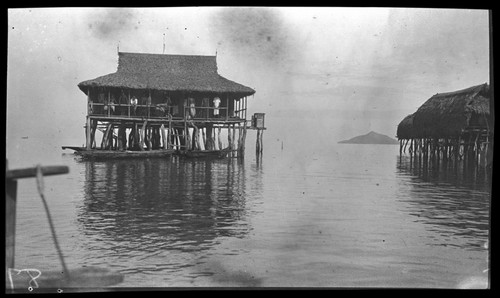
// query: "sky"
[[355, 69]]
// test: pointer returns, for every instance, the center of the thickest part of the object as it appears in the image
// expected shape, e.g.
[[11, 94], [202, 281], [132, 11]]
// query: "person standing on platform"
[[133, 103], [216, 107]]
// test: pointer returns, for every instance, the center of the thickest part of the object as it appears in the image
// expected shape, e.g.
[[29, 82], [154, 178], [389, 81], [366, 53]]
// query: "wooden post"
[[238, 141], [241, 149], [170, 136], [157, 137], [445, 151], [188, 138], [425, 151], [245, 107], [131, 137], [438, 151], [164, 137], [229, 136], [143, 135], [259, 143], [234, 140], [476, 148], [121, 141], [104, 141], [88, 133], [219, 140], [152, 138], [194, 141], [186, 134], [209, 143], [10, 220], [92, 134], [204, 137], [109, 143]]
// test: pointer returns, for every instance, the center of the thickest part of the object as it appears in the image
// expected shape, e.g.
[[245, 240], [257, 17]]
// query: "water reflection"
[[451, 201], [150, 205]]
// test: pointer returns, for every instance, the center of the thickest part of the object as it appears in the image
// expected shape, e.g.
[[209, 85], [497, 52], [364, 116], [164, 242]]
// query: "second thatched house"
[[459, 120]]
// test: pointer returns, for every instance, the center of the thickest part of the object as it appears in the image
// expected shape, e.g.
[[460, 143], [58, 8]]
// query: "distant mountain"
[[371, 138]]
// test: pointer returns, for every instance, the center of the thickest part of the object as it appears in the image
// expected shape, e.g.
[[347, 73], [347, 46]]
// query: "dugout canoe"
[[206, 153], [96, 154]]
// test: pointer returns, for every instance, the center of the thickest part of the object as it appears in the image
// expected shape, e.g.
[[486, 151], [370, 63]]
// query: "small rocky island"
[[371, 138]]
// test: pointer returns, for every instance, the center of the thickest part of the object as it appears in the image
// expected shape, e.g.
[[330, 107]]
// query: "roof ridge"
[[465, 90], [156, 54]]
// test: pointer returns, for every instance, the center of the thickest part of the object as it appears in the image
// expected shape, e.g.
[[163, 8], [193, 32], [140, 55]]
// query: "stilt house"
[[450, 124], [164, 102]]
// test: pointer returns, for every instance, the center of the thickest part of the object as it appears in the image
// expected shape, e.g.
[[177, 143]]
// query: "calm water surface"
[[335, 216]]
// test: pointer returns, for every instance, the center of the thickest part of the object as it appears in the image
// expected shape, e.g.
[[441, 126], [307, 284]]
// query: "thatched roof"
[[405, 128], [167, 73], [447, 114]]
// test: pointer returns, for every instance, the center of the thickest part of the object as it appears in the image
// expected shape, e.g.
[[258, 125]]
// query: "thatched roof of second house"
[[448, 114], [405, 128], [168, 73]]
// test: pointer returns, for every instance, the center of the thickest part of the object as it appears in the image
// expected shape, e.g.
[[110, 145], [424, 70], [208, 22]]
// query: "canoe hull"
[[110, 154], [217, 154]]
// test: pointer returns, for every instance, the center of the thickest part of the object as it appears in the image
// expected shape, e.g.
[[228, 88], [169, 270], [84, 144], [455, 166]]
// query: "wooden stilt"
[[158, 137], [209, 142], [426, 152], [143, 135], [233, 145], [92, 133], [204, 137], [436, 150], [219, 140], [242, 148], [110, 144], [122, 137], [131, 138], [229, 138], [259, 145], [164, 137], [105, 137], [169, 133], [261, 141], [88, 134], [196, 138], [10, 221], [188, 139], [238, 143], [152, 138]]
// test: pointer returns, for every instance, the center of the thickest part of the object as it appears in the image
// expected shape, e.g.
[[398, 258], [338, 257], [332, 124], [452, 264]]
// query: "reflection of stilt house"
[[455, 125], [156, 102]]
